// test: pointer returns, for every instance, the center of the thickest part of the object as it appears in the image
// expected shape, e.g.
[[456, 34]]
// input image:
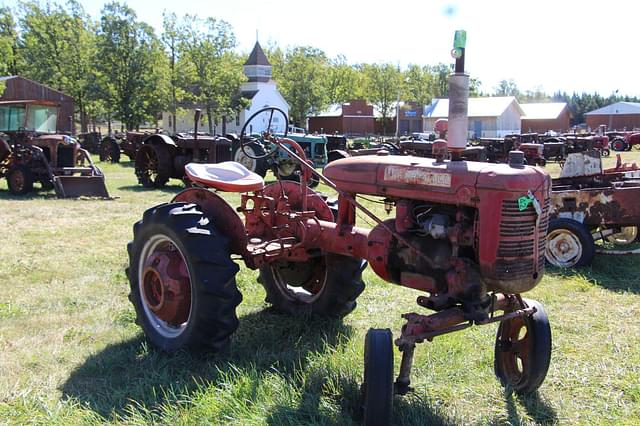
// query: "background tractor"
[[468, 237], [32, 152]]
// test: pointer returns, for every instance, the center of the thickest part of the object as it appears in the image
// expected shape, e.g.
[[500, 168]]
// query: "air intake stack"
[[458, 98]]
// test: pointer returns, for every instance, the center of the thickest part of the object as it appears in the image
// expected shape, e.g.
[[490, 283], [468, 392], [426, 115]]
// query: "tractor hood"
[[421, 178]]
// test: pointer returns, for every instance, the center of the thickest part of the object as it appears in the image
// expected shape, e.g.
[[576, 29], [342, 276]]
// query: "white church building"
[[261, 91]]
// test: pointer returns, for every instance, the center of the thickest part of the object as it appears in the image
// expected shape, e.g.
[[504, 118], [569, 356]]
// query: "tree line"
[[117, 67]]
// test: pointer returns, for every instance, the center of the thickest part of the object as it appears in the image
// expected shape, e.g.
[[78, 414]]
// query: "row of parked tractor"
[[589, 204]]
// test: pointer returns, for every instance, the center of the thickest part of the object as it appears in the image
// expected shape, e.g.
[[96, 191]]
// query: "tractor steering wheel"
[[267, 137]]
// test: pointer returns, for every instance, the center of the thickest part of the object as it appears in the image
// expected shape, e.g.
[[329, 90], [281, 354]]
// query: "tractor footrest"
[[271, 248], [80, 186]]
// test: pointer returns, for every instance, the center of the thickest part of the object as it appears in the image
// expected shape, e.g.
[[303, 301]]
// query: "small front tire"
[[523, 350], [377, 387]]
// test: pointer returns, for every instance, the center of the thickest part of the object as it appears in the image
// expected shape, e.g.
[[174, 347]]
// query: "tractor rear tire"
[[377, 387], [20, 180], [569, 244], [153, 165], [326, 285], [259, 166], [199, 261], [522, 359]]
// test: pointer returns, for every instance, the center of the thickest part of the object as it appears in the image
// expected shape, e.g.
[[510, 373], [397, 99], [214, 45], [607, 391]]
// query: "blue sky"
[[555, 45]]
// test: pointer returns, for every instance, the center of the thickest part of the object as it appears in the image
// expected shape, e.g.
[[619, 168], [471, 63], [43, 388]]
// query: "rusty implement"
[[80, 186], [589, 204]]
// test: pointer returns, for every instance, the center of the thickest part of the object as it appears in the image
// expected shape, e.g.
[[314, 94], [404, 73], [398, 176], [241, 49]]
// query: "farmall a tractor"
[[468, 237]]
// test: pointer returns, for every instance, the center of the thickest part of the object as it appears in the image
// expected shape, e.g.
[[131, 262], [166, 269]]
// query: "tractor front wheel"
[[523, 350], [326, 285], [182, 279], [20, 180], [377, 387], [569, 244]]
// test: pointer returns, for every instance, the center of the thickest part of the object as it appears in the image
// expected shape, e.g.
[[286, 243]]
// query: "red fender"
[[224, 217]]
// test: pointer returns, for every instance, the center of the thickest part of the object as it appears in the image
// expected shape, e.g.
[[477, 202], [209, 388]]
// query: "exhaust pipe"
[[458, 99], [195, 125]]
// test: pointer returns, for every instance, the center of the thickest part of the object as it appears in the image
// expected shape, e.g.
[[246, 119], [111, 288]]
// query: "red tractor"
[[468, 236]]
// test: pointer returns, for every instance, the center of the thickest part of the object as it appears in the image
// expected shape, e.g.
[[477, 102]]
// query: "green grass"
[[70, 352]]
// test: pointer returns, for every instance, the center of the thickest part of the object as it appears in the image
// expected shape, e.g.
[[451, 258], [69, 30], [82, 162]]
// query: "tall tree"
[[8, 43], [132, 66], [172, 39], [440, 80], [217, 71], [58, 48], [342, 81], [419, 84], [301, 81], [383, 88], [507, 88]]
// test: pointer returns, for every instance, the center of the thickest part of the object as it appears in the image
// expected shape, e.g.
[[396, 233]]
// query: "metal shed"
[[618, 116], [489, 117]]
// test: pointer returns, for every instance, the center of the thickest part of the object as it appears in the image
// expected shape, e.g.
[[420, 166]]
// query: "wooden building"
[[618, 116], [489, 117], [354, 118], [18, 88], [543, 117]]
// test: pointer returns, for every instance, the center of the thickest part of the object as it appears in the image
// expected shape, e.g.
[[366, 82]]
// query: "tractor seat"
[[228, 176]]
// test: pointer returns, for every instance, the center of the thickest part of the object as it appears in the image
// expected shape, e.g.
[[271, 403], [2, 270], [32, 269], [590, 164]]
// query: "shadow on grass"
[[616, 273], [130, 372], [171, 189], [538, 409], [36, 194], [407, 410]]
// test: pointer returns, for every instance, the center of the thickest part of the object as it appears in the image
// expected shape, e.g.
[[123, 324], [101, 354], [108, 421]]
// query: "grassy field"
[[70, 352]]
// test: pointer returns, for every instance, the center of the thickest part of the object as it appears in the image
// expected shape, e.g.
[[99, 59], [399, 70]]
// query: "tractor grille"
[[65, 156], [515, 256]]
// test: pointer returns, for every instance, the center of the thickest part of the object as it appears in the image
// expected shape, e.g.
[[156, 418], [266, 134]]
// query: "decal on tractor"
[[416, 176]]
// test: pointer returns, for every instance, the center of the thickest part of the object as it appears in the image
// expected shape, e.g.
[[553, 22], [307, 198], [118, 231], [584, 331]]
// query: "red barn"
[[542, 117], [354, 118]]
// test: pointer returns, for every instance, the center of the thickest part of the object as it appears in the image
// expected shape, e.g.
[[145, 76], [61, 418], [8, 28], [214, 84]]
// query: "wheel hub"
[[564, 248], [166, 287]]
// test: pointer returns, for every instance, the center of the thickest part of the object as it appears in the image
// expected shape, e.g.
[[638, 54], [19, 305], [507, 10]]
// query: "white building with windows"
[[259, 88], [491, 117]]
